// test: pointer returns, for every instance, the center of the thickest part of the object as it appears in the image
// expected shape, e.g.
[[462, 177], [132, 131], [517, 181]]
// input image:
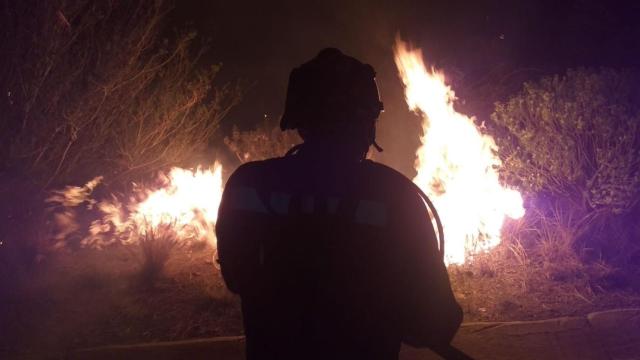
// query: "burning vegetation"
[[457, 165], [134, 120], [179, 209]]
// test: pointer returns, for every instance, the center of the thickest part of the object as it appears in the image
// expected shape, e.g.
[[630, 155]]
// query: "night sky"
[[486, 48]]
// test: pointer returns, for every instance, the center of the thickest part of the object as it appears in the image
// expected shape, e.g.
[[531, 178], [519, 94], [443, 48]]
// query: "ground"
[[95, 297], [499, 286], [90, 298]]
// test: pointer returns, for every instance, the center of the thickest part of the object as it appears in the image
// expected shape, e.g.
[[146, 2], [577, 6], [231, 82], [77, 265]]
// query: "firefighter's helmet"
[[329, 93]]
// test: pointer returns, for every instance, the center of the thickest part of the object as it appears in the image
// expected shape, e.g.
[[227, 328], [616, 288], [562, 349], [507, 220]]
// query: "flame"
[[186, 203], [189, 202], [456, 164]]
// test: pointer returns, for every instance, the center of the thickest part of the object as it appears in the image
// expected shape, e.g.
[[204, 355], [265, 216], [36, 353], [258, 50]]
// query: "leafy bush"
[[573, 142]]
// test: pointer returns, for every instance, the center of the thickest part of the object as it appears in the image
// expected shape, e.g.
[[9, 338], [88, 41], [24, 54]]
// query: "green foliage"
[[576, 137]]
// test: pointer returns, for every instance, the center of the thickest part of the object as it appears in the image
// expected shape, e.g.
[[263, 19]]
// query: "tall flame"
[[456, 164]]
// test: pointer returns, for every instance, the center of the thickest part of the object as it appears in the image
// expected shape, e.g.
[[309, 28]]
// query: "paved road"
[[608, 335]]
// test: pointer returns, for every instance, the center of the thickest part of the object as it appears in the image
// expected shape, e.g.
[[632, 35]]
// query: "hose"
[[434, 212]]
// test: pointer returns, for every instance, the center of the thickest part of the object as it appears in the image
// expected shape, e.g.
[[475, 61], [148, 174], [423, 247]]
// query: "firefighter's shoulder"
[[242, 190], [251, 172], [399, 190], [392, 181]]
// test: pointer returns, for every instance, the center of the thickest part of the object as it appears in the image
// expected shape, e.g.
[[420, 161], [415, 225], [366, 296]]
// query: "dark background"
[[487, 48]]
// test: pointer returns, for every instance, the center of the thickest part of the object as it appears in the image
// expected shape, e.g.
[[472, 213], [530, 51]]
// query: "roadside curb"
[[611, 334], [229, 347]]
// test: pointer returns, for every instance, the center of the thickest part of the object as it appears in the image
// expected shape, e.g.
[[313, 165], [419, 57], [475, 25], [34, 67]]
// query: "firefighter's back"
[[328, 256], [333, 256]]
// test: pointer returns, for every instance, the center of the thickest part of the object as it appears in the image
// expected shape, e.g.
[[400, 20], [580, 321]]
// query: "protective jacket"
[[332, 260]]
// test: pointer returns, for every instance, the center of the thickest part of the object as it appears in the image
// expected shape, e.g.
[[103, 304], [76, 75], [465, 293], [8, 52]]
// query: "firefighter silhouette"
[[333, 256]]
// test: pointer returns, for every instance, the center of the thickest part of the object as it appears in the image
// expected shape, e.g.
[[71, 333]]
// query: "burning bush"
[[180, 208], [573, 143], [176, 211]]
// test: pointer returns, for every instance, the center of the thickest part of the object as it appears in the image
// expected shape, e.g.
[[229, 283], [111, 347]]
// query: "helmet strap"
[[378, 147]]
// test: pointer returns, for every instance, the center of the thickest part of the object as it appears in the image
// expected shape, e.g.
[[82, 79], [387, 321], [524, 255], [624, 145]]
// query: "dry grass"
[[538, 272], [156, 245]]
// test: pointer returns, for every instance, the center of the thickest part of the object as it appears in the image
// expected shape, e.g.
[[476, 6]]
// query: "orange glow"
[[456, 164], [187, 202]]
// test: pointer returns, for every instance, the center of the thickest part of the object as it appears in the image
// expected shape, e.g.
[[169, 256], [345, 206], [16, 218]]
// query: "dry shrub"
[[547, 249], [156, 245], [556, 235], [265, 141], [92, 88], [536, 273]]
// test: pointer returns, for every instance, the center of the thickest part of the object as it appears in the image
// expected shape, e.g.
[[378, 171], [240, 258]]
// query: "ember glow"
[[456, 164], [183, 201]]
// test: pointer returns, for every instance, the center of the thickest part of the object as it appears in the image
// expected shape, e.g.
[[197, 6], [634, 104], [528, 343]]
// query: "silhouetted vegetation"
[[155, 246], [96, 88], [263, 142], [91, 87]]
